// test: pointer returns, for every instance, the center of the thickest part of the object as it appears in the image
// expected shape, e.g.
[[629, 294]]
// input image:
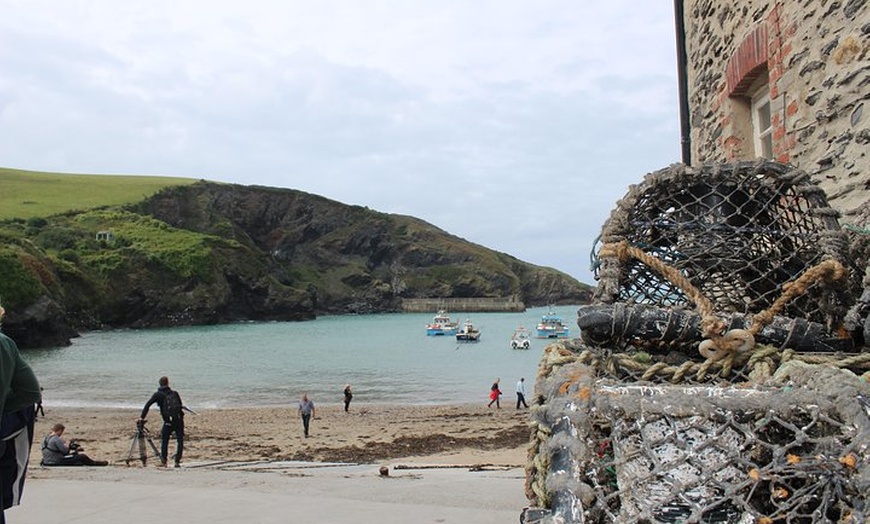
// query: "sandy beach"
[[445, 464], [366, 434]]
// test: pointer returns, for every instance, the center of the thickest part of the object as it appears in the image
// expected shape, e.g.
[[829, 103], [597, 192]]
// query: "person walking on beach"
[[494, 394], [39, 409], [19, 393], [521, 393], [306, 410], [56, 452], [348, 396], [172, 412]]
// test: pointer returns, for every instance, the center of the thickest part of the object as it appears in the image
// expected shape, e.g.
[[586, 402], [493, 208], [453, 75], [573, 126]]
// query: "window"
[[762, 129], [751, 119], [748, 87]]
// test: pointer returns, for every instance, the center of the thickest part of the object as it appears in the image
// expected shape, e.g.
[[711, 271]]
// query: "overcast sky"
[[515, 124]]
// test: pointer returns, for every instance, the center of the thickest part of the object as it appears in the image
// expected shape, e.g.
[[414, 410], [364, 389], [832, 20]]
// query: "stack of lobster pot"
[[722, 370]]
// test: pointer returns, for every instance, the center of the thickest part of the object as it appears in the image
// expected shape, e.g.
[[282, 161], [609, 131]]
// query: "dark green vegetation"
[[204, 253]]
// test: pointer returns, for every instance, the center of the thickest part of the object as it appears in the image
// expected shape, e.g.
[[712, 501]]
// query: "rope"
[[623, 251], [719, 347], [862, 230], [537, 467], [555, 355], [762, 361], [828, 271], [594, 262]]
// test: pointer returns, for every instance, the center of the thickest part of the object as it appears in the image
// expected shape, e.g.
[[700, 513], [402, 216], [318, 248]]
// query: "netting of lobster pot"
[[793, 450], [713, 381], [737, 233]]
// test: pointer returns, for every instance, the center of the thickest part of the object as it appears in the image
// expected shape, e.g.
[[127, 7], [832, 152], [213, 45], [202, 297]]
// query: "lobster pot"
[[718, 374], [737, 232], [793, 450]]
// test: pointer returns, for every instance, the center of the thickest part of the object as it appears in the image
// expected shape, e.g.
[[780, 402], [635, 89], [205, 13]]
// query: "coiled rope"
[[719, 346]]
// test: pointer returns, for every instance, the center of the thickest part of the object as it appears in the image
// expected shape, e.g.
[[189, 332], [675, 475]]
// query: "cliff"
[[212, 253]]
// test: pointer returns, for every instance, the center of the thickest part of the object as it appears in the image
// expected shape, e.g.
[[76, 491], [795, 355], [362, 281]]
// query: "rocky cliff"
[[214, 253]]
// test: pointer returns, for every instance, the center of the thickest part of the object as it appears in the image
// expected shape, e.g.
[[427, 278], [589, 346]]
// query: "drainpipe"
[[682, 80]]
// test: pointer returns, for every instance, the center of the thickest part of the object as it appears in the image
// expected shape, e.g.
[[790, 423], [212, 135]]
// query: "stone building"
[[787, 80]]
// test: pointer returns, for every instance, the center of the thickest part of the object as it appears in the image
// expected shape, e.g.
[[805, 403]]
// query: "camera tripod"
[[139, 438]]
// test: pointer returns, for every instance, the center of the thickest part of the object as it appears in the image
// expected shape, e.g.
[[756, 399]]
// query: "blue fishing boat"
[[441, 325], [551, 326]]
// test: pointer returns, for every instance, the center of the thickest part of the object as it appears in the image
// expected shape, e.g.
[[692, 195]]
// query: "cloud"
[[515, 125]]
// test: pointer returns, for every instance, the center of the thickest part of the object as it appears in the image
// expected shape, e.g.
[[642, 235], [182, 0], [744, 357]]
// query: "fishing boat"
[[520, 339], [551, 326], [441, 325], [468, 333]]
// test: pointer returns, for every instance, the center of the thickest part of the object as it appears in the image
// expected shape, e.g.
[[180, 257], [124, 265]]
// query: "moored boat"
[[441, 325], [468, 333], [551, 326], [520, 339]]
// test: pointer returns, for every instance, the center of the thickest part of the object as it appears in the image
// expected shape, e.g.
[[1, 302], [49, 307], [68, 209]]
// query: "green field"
[[27, 194]]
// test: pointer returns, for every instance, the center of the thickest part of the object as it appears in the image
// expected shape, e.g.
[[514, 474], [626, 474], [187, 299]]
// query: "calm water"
[[386, 358]]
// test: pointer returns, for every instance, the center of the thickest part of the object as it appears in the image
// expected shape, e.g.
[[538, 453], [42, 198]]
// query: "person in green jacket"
[[19, 393]]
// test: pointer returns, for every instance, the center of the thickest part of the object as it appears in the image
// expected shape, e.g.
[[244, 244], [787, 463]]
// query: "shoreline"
[[61, 406], [367, 434]]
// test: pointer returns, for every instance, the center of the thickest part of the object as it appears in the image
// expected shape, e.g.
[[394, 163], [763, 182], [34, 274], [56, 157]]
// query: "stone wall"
[[431, 305], [816, 54]]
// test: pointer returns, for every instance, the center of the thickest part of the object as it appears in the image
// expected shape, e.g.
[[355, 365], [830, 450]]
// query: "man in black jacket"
[[169, 402]]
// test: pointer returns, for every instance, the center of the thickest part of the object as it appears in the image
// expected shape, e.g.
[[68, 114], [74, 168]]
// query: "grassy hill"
[[28, 194], [188, 252]]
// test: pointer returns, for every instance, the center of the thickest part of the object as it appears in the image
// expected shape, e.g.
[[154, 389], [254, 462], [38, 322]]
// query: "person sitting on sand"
[[56, 452]]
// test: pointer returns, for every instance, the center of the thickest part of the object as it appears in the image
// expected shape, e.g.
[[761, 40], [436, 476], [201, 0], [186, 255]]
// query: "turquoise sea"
[[386, 358]]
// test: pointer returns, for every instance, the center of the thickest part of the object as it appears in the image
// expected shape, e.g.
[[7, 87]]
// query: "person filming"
[[56, 452], [172, 412]]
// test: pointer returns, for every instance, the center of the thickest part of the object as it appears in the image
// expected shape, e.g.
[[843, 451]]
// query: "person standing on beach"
[[306, 410], [39, 409], [172, 412], [19, 393], [521, 393], [348, 396], [494, 394]]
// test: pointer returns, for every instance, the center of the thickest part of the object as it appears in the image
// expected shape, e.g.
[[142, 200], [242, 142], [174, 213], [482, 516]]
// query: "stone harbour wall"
[[431, 305]]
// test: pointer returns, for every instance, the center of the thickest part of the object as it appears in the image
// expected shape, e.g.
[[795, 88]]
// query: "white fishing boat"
[[520, 339]]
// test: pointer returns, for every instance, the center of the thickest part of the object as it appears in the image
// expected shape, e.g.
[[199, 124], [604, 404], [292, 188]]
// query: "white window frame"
[[762, 131]]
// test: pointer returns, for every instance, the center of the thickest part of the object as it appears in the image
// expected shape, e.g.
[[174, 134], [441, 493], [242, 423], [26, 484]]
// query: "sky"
[[514, 124]]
